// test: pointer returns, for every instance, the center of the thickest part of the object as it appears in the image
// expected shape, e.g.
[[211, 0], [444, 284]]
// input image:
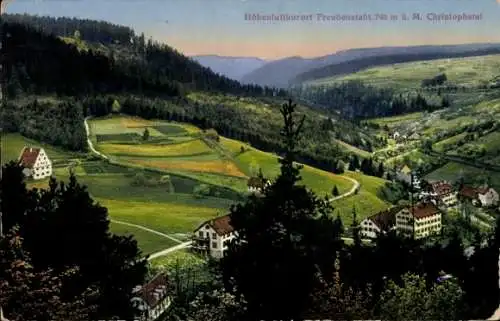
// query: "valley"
[[399, 180], [180, 176]]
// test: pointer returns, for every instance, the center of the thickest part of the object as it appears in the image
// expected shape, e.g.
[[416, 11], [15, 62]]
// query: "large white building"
[[152, 299], [213, 236], [36, 163], [421, 220]]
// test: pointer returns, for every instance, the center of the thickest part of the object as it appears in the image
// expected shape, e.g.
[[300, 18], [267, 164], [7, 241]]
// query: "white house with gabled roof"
[[36, 163], [214, 235]]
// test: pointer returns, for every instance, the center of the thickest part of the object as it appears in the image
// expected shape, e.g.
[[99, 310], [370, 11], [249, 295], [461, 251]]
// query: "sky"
[[219, 27]]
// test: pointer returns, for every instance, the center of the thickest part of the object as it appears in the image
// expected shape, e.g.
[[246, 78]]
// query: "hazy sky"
[[219, 26]]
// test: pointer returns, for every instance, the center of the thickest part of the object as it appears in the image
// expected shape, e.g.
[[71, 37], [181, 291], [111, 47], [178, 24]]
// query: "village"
[[423, 217]]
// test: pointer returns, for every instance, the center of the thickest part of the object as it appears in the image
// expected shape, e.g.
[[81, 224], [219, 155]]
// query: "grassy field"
[[353, 149], [148, 242], [164, 198], [194, 147], [366, 202], [197, 159], [396, 120], [453, 171], [12, 145], [452, 140], [319, 181], [469, 71], [166, 218]]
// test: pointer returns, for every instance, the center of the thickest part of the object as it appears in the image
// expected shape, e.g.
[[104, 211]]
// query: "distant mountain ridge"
[[232, 67], [284, 72]]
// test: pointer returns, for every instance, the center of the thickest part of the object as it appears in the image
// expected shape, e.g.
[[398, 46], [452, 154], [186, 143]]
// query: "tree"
[[355, 228], [216, 305], [115, 107], [335, 191], [427, 146], [334, 300], [201, 191], [354, 163], [29, 294], [145, 135], [63, 218], [290, 244], [380, 171], [412, 301]]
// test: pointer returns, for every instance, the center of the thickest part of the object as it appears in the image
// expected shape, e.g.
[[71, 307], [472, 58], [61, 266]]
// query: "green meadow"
[[155, 182], [468, 71]]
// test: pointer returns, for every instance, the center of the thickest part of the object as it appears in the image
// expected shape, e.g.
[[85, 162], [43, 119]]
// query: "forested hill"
[[91, 30], [96, 63]]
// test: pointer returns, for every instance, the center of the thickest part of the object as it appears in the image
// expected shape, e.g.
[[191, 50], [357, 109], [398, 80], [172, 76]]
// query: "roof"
[[468, 192], [256, 182], [423, 210], [386, 219], [148, 290], [442, 188], [406, 169], [221, 225], [28, 156]]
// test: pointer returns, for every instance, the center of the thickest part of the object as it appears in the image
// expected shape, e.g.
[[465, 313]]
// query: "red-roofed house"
[[485, 196], [420, 220], [36, 163], [443, 191], [152, 299], [213, 236], [379, 223]]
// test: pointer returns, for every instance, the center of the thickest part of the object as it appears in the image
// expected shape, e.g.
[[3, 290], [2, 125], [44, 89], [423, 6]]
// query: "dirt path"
[[169, 250], [350, 192], [148, 230], [89, 142]]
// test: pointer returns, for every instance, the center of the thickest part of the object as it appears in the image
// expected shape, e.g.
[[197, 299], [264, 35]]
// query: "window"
[[214, 236], [214, 245], [201, 233]]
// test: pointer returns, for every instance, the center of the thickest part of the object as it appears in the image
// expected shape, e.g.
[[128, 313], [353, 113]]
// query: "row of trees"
[[354, 99], [58, 124]]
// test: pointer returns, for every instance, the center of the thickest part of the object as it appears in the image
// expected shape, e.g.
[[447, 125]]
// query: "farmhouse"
[[379, 223], [36, 163], [257, 184], [152, 299], [213, 236], [420, 220], [443, 193], [484, 196]]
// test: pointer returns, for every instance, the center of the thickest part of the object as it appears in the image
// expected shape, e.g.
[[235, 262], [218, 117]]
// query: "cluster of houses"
[[424, 218], [401, 137], [419, 221]]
